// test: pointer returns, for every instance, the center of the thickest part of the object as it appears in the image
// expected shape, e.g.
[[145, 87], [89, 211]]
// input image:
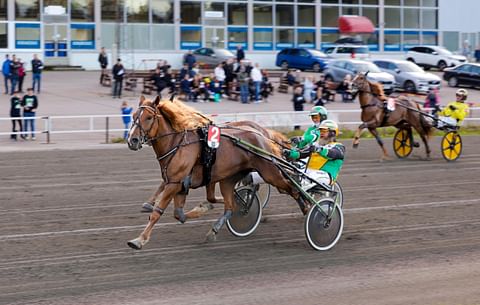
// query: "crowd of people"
[[14, 73]]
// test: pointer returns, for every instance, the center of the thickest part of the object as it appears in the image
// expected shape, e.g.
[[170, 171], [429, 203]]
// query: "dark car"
[[466, 74], [209, 58], [303, 59]]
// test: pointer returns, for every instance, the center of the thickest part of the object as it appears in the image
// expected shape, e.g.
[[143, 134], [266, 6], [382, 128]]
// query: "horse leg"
[[374, 132], [211, 194], [425, 141], [148, 205], [167, 195], [356, 139]]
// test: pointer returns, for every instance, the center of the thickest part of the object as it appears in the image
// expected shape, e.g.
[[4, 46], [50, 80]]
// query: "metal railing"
[[112, 123]]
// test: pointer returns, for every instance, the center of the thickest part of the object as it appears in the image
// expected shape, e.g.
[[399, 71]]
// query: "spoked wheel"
[[246, 212], [324, 225], [451, 146], [403, 143], [263, 194]]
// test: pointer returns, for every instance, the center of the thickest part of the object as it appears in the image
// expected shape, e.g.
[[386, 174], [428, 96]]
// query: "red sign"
[[213, 139]]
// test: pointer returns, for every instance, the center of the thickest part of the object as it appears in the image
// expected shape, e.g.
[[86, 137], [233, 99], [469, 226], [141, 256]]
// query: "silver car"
[[409, 76], [210, 58], [337, 69]]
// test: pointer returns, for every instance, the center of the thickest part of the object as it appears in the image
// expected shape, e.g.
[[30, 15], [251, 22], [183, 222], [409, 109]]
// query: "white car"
[[433, 56], [346, 51]]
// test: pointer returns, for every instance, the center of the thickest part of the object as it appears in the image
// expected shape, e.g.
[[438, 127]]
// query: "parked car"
[[209, 58], [346, 50], [466, 74], [433, 56], [408, 75], [337, 69], [300, 58]]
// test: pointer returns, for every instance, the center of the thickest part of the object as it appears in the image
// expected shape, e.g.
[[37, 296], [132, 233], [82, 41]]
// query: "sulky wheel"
[[402, 143], [324, 224], [451, 146], [263, 194], [246, 213]]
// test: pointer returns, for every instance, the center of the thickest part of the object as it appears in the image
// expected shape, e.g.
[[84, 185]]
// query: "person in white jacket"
[[256, 76], [220, 74]]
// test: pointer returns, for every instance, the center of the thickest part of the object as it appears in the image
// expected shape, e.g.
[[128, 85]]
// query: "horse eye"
[[149, 118]]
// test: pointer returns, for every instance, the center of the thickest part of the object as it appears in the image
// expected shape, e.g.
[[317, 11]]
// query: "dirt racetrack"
[[411, 236]]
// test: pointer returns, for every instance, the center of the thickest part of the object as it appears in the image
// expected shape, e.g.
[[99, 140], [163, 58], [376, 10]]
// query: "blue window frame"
[[307, 42], [237, 37], [190, 37], [27, 35], [83, 36], [263, 39]]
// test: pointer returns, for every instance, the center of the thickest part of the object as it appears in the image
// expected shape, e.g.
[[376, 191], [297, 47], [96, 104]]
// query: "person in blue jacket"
[[127, 118], [6, 72]]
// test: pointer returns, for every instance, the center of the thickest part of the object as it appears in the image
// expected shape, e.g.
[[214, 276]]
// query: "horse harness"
[[386, 112]]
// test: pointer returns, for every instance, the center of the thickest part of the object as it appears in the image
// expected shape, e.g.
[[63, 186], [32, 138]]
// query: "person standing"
[[189, 59], [14, 66], [37, 68], [6, 71], [21, 75], [103, 60], [256, 75], [229, 75], [298, 101], [220, 74], [30, 105], [243, 80], [159, 80], [240, 53], [118, 72], [477, 54], [127, 118], [16, 112]]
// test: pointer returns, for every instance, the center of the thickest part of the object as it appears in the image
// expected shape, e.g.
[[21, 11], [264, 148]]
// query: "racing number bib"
[[213, 139]]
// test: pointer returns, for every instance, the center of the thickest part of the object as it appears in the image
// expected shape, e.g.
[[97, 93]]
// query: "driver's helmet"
[[331, 125], [320, 111], [463, 93]]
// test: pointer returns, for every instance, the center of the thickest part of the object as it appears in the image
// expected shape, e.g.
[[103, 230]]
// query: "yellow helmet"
[[463, 93], [330, 125]]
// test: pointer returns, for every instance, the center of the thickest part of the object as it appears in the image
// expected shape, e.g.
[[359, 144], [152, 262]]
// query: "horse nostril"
[[134, 141]]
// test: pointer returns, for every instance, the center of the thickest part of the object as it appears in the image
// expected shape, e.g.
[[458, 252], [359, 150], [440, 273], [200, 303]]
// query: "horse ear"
[[366, 73], [142, 98], [157, 100], [172, 97]]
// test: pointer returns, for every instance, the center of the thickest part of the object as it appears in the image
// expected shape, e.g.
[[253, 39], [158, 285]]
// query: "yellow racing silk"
[[456, 110]]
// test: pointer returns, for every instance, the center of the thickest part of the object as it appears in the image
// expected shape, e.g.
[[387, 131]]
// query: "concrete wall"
[[461, 15]]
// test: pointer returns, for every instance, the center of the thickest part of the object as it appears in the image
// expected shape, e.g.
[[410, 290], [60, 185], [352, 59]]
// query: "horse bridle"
[[144, 134]]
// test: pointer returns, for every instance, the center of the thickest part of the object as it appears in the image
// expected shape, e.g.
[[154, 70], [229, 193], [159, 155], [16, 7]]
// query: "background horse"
[[374, 113], [172, 130]]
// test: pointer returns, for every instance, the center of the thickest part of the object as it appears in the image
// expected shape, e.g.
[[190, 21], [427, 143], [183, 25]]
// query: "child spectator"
[[30, 105], [16, 112], [21, 75], [127, 118], [186, 88]]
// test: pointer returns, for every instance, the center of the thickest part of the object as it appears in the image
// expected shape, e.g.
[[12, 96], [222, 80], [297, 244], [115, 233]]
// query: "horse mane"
[[376, 88], [181, 116]]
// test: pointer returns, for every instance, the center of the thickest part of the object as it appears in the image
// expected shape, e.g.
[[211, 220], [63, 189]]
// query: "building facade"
[[72, 31]]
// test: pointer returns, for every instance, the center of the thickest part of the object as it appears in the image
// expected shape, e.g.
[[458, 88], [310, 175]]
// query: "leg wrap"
[[379, 140], [178, 214], [221, 221], [159, 210]]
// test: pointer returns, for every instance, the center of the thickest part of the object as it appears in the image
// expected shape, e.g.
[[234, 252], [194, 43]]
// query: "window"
[[381, 64], [27, 36], [108, 34], [190, 37], [330, 1], [392, 2], [329, 16], [3, 35], [306, 38], [190, 12], [167, 34], [392, 18], [392, 41], [3, 10], [429, 38], [136, 37], [215, 7], [284, 15], [112, 10], [306, 15], [430, 3], [236, 37], [429, 19], [162, 11], [284, 38], [27, 10], [262, 39], [62, 3], [370, 2], [411, 18], [262, 14], [411, 2], [237, 13], [82, 10], [372, 14], [350, 10], [82, 36], [137, 11], [410, 38]]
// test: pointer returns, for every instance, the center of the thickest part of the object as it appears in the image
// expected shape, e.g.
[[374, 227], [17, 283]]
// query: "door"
[[55, 37], [214, 37]]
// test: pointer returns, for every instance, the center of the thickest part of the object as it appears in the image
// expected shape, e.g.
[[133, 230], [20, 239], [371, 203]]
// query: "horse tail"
[[279, 141]]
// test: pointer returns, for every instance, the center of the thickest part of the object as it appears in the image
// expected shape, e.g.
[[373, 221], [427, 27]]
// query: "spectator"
[[256, 76], [186, 88], [466, 49], [103, 60], [298, 101], [30, 105], [240, 54], [16, 112], [37, 68], [118, 73], [220, 75], [189, 59], [21, 75], [229, 75], [267, 87], [186, 71], [195, 69], [200, 88], [127, 118], [6, 71], [477, 54], [432, 101], [14, 66], [216, 90], [308, 89], [243, 79], [159, 80], [345, 88]]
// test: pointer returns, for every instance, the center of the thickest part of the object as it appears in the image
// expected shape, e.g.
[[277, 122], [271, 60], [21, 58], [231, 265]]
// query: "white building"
[[71, 32]]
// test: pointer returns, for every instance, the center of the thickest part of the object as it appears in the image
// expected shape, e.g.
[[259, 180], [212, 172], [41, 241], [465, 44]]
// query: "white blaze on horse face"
[[131, 132]]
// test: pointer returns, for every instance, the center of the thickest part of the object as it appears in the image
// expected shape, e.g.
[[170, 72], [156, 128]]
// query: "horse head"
[[360, 82], [145, 123]]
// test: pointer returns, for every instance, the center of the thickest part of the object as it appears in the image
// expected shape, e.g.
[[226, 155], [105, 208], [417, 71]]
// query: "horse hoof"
[[355, 145], [135, 244], [147, 207], [211, 236], [207, 205], [416, 144]]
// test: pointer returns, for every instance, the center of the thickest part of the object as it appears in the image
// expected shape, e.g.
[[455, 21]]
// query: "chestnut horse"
[[375, 115], [273, 135], [172, 130]]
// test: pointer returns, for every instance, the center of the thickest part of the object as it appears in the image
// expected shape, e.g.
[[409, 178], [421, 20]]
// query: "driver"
[[457, 110], [318, 114], [326, 156]]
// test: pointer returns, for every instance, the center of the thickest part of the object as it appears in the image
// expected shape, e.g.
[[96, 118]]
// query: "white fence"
[[108, 124]]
